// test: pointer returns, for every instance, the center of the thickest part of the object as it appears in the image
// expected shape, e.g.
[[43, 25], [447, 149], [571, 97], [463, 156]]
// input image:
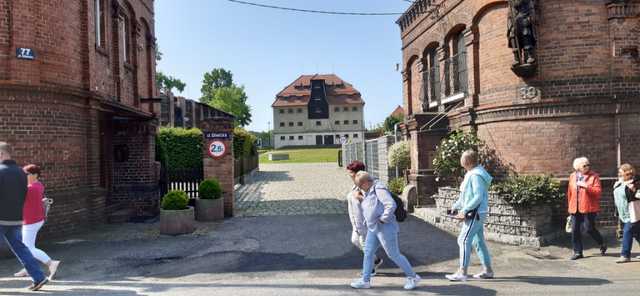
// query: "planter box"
[[210, 209], [506, 223], [177, 222]]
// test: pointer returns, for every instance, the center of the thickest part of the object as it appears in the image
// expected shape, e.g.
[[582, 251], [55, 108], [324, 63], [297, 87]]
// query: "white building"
[[317, 110]]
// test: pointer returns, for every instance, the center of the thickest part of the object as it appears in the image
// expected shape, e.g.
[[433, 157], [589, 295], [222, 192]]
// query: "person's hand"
[[632, 187], [358, 195], [460, 216], [582, 184]]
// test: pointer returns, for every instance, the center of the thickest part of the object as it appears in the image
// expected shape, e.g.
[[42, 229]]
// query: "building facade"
[[541, 81], [77, 98], [318, 110]]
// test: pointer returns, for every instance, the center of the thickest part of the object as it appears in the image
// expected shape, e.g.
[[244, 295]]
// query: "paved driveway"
[[294, 189]]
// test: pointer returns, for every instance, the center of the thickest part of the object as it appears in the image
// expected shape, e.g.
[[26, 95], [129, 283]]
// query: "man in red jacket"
[[583, 195], [13, 189]]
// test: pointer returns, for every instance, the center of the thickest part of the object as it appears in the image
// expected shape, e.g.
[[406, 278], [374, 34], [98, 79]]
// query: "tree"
[[390, 122], [219, 91], [215, 79], [231, 99], [168, 83]]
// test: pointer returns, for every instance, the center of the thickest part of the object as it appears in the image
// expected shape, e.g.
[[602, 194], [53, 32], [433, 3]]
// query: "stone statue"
[[521, 31]]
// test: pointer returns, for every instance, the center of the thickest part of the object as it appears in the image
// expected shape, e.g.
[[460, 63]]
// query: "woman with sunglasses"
[[583, 196]]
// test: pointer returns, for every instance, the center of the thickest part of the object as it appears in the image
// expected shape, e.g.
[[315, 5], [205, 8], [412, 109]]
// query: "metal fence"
[[374, 155]]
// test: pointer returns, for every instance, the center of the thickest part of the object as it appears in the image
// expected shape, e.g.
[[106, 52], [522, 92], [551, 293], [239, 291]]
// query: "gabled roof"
[[398, 112], [298, 92]]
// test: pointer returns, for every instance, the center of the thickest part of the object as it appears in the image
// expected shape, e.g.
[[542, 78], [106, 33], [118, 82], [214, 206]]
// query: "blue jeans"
[[589, 221], [472, 233], [387, 236], [12, 236], [629, 232]]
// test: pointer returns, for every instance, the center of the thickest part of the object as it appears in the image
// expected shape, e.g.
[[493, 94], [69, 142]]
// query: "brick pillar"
[[218, 164]]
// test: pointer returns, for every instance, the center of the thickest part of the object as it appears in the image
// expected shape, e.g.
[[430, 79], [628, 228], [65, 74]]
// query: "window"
[[124, 38], [299, 123], [282, 124], [282, 138], [300, 138], [346, 136], [291, 123], [291, 137], [299, 110], [290, 110], [336, 109], [460, 65], [345, 109], [355, 135], [431, 80], [337, 137], [355, 122], [337, 122], [346, 122], [318, 123], [281, 111], [100, 22], [354, 109]]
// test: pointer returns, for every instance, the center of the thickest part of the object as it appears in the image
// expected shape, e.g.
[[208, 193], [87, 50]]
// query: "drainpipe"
[[395, 140]]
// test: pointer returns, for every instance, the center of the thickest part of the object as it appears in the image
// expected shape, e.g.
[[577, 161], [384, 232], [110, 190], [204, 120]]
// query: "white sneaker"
[[456, 277], [483, 275], [21, 273], [412, 282], [53, 268], [360, 284]]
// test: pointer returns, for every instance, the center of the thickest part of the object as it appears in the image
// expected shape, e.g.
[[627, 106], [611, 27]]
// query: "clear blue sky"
[[267, 49]]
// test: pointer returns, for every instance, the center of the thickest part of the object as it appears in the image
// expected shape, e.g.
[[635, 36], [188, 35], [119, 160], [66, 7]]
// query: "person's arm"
[[478, 187], [595, 189], [387, 201]]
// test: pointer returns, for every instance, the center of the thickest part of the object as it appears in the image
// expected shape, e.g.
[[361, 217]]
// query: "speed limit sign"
[[217, 149]]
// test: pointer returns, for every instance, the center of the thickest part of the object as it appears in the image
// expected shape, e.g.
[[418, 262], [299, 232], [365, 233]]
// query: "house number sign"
[[25, 53]]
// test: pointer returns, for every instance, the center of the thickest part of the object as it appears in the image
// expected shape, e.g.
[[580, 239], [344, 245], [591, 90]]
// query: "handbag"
[[46, 205], [634, 211], [568, 227]]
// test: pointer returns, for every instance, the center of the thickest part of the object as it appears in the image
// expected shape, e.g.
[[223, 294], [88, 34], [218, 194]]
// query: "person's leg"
[[29, 234], [388, 237], [590, 225], [481, 248], [12, 235], [627, 240], [371, 244], [576, 233], [465, 240]]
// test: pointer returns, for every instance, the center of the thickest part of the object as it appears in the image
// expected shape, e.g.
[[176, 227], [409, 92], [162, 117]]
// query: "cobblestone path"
[[294, 189]]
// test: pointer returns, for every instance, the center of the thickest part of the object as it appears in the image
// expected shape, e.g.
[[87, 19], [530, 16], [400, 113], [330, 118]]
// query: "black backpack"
[[400, 212]]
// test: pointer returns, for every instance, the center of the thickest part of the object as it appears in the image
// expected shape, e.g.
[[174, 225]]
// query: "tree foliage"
[[390, 122], [219, 91], [399, 155], [167, 83]]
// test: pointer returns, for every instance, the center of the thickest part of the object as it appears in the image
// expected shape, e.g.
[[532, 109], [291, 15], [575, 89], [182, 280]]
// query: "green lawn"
[[306, 155]]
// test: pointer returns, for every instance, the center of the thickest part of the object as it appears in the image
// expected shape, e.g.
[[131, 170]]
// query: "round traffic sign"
[[217, 149]]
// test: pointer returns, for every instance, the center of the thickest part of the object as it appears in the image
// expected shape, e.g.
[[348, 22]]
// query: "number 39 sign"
[[217, 149]]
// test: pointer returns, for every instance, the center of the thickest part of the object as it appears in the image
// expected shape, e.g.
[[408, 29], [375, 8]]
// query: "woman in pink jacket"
[[33, 218]]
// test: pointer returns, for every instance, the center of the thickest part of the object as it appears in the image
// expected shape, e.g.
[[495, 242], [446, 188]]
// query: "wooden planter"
[[175, 222], [210, 209]]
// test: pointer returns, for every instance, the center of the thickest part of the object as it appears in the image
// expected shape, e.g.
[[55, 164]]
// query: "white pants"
[[29, 233]]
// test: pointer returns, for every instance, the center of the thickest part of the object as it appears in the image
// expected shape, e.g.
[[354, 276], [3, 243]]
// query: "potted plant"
[[176, 217], [210, 205]]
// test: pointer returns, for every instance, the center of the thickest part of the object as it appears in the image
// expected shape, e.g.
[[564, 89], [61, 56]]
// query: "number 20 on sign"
[[217, 149]]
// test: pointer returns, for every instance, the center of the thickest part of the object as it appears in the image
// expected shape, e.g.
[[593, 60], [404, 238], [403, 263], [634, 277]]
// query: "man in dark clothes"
[[13, 190]]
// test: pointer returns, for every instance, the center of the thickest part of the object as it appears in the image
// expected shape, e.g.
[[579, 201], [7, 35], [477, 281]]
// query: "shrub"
[[446, 162], [399, 155], [210, 189], [396, 185], [181, 147], [244, 143], [175, 200], [530, 190]]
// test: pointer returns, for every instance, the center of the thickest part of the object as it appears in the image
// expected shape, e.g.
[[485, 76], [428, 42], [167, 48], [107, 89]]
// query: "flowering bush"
[[396, 185], [399, 155], [530, 190], [446, 162]]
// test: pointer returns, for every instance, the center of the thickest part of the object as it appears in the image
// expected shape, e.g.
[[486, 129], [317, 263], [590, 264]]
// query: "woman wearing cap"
[[358, 228], [624, 192], [583, 196], [33, 219]]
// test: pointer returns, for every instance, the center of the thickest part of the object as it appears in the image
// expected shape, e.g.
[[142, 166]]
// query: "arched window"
[[124, 38], [459, 60], [100, 23], [431, 78]]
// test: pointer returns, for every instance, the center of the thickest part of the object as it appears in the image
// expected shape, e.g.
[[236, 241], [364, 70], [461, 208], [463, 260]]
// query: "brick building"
[[317, 110], [76, 97], [577, 96]]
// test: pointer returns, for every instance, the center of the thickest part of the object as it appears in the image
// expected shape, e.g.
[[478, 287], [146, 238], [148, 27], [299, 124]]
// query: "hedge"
[[180, 148], [244, 143]]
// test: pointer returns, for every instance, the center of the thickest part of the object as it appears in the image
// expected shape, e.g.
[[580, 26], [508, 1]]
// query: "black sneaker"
[[373, 272], [37, 286], [576, 256], [377, 263], [603, 250]]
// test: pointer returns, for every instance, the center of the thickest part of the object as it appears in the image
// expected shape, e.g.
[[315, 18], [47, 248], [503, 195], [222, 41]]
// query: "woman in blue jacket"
[[472, 207], [624, 192]]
